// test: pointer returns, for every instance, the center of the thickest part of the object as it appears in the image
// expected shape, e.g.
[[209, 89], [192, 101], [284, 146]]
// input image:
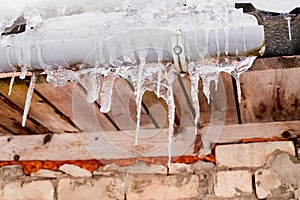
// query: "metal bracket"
[[178, 51]]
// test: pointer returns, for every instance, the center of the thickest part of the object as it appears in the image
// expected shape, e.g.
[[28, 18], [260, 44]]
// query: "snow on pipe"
[[53, 54]]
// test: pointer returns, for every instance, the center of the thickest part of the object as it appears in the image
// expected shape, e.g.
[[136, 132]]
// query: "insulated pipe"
[[38, 54]]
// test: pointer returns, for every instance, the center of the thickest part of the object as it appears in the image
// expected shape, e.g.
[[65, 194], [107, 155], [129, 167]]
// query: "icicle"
[[23, 72], [28, 98], [226, 32], [38, 48], [206, 43], [139, 93], [239, 68], [12, 80], [208, 74], [159, 74], [138, 101], [26, 52], [217, 41], [106, 93], [244, 44], [288, 19], [171, 111], [194, 76], [93, 87]]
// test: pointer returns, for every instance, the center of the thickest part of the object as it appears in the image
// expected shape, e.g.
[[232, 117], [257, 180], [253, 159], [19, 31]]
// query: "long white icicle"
[[28, 98], [12, 80]]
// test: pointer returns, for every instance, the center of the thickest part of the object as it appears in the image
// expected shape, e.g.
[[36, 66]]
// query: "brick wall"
[[266, 170]]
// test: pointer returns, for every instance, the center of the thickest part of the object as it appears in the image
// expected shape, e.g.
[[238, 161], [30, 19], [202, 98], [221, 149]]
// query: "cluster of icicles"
[[157, 77]]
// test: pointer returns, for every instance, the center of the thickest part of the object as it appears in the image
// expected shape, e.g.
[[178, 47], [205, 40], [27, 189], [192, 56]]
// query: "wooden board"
[[40, 111], [11, 121], [279, 62], [222, 108], [116, 145], [123, 110], [70, 100], [270, 95]]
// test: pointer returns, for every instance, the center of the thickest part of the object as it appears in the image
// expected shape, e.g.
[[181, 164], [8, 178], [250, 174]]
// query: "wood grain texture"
[[11, 121], [222, 108], [41, 112], [279, 62], [70, 100], [270, 95], [120, 144]]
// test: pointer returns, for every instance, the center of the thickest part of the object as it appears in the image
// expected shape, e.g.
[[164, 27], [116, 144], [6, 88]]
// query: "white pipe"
[[24, 49]]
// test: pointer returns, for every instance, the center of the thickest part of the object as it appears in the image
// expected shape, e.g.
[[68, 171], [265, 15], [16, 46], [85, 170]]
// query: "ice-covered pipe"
[[38, 53]]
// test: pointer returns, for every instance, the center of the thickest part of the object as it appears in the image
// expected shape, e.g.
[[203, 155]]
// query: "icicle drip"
[[38, 48], [93, 87], [171, 111], [208, 74], [288, 19], [159, 73], [12, 80], [26, 52], [23, 72], [241, 67], [244, 44], [139, 93], [28, 98], [138, 109], [106, 93], [206, 43], [194, 76], [217, 42], [226, 32]]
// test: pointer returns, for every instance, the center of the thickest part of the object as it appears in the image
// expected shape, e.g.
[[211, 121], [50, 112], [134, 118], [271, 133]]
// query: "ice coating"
[[138, 92], [107, 91], [93, 86], [213, 17], [28, 98], [195, 76]]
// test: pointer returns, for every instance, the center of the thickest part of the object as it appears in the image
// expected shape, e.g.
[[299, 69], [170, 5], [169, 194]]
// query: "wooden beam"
[[278, 62], [270, 95], [120, 144]]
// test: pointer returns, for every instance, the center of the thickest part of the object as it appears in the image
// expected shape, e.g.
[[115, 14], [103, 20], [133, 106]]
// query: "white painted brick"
[[75, 171], [41, 190], [46, 173], [104, 188], [265, 182], [232, 183], [160, 187], [250, 155], [11, 172]]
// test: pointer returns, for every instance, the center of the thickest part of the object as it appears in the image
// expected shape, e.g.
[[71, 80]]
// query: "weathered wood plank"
[[69, 99], [270, 95], [116, 145], [11, 119], [123, 109], [278, 62], [184, 106], [222, 108], [39, 111], [60, 97]]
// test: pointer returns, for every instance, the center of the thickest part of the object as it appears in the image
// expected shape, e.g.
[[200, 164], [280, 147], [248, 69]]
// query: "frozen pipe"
[[39, 54]]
